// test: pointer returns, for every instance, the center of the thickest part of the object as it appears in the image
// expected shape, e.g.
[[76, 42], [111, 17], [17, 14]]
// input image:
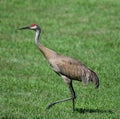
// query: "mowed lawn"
[[87, 30]]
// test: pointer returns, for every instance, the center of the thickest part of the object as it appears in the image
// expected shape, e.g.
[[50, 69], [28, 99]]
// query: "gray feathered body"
[[68, 67], [73, 69]]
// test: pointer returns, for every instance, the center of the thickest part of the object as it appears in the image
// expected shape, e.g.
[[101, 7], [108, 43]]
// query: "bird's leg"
[[53, 103], [67, 99], [73, 96]]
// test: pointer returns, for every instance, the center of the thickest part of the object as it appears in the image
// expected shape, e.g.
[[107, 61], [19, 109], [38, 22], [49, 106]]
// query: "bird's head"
[[31, 27]]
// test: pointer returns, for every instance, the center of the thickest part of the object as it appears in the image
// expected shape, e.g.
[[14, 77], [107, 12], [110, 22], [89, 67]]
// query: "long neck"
[[48, 53], [37, 37]]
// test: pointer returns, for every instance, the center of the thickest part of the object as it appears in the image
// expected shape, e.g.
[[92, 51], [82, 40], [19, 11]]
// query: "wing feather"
[[69, 67], [73, 69]]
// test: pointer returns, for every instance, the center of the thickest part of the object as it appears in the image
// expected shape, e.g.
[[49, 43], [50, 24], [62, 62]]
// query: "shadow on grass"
[[81, 110]]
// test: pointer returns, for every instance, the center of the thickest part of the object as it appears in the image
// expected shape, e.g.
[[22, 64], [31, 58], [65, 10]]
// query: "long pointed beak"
[[22, 28]]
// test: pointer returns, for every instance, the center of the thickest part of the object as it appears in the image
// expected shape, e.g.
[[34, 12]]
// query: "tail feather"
[[95, 80], [91, 76]]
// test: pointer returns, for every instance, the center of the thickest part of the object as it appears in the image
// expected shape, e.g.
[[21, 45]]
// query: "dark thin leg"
[[53, 103], [67, 99], [73, 96]]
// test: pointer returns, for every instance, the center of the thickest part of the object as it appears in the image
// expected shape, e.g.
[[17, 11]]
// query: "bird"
[[67, 68]]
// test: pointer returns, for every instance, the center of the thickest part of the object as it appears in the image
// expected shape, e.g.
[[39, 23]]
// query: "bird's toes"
[[50, 105]]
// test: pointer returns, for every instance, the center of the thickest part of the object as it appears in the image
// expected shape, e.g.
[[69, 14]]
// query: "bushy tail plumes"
[[95, 80]]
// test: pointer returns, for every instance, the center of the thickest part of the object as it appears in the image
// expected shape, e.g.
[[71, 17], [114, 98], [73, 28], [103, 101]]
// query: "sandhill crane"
[[68, 68]]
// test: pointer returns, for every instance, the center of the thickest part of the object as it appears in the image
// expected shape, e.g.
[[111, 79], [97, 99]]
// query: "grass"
[[88, 30]]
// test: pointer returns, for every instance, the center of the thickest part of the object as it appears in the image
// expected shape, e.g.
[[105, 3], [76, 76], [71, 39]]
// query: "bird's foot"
[[50, 105], [73, 109]]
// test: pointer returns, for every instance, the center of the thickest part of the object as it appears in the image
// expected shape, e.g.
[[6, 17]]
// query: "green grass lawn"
[[87, 30]]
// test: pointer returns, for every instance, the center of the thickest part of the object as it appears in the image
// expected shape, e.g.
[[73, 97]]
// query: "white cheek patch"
[[33, 27]]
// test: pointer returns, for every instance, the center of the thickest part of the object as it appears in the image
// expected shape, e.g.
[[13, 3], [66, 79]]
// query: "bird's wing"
[[69, 67], [74, 69]]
